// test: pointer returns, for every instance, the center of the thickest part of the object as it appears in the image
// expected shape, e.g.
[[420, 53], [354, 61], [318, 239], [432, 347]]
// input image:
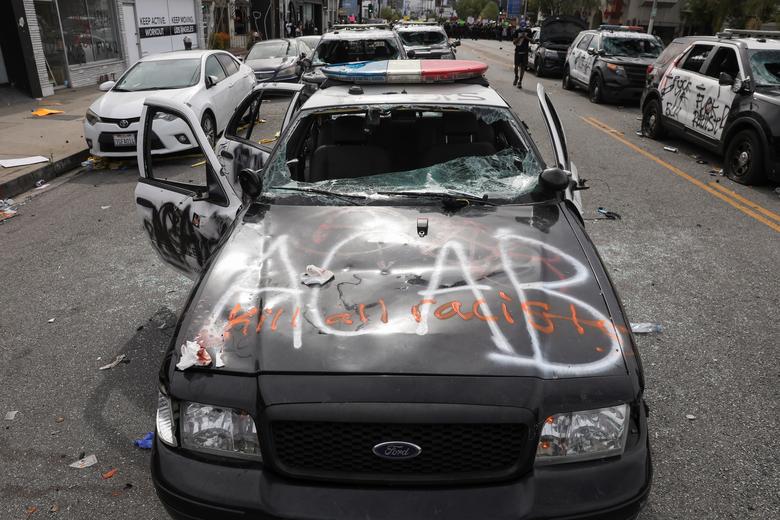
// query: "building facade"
[[46, 45]]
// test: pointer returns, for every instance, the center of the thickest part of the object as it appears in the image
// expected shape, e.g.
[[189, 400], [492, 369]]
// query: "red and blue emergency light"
[[405, 71]]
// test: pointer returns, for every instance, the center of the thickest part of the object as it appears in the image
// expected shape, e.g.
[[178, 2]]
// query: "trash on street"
[[22, 161], [145, 442], [9, 416], [41, 112], [108, 474], [690, 417], [84, 462], [670, 149], [119, 359], [193, 354], [611, 215], [646, 328]]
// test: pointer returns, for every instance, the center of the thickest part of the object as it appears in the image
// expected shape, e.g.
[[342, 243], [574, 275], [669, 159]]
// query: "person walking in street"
[[521, 39]]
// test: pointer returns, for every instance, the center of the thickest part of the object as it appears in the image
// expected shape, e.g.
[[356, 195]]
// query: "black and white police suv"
[[397, 313], [610, 62], [723, 94], [426, 40]]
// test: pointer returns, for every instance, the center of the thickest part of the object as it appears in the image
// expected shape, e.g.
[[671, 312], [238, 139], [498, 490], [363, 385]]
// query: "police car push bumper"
[[405, 71]]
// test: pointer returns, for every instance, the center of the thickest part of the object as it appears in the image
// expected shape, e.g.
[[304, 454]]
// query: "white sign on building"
[[163, 24]]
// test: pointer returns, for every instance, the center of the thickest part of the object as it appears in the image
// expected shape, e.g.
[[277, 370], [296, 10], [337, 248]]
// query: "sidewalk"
[[58, 137]]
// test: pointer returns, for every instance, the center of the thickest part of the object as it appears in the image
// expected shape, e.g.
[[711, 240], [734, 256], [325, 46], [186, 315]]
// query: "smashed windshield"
[[159, 75], [422, 37], [633, 47], [271, 49], [366, 151], [343, 51], [766, 67]]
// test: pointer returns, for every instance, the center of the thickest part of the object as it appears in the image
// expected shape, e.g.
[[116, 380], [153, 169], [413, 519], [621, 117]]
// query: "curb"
[[26, 182]]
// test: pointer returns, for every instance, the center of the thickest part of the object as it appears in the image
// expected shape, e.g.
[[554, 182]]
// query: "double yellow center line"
[[746, 206]]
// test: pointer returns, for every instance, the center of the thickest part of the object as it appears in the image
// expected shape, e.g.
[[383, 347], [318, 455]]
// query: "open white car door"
[[559, 145], [184, 200]]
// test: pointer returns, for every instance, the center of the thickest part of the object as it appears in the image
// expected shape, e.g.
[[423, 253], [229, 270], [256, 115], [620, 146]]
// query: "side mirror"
[[555, 179], [251, 182], [592, 51], [211, 81], [107, 85], [410, 54], [725, 79], [456, 43], [302, 56]]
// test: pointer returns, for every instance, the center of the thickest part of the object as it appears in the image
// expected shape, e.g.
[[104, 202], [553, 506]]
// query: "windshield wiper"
[[455, 199], [346, 196]]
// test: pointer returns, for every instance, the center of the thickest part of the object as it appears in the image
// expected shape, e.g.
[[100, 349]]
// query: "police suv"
[[723, 94], [426, 40], [398, 312], [610, 62]]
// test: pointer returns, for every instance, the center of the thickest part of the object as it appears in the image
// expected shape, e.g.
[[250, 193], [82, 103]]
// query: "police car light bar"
[[405, 71], [747, 33], [631, 28], [359, 26]]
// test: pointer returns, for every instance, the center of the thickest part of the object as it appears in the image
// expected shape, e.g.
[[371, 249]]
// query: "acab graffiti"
[[675, 95], [709, 116]]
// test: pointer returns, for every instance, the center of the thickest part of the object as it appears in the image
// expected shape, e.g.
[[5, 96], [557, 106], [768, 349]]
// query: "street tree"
[[490, 11]]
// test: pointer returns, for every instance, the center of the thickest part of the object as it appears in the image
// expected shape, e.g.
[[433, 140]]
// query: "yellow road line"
[[615, 134], [747, 202]]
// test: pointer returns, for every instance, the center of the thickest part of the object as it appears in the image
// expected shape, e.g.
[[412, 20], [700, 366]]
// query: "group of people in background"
[[293, 30], [501, 31]]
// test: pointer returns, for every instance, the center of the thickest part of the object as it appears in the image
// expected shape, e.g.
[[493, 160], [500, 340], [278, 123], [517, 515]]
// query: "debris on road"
[[59, 419], [646, 328], [41, 112], [22, 161], [51, 320], [30, 510], [777, 191], [690, 417], [41, 184], [54, 508], [104, 207], [193, 354], [611, 215], [9, 416], [715, 172], [121, 358], [701, 161], [670, 149], [316, 275], [108, 474], [84, 462], [145, 443]]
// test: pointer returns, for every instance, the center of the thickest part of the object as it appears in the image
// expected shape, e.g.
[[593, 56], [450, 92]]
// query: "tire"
[[596, 89], [209, 127], [652, 123], [566, 81], [744, 160], [538, 67]]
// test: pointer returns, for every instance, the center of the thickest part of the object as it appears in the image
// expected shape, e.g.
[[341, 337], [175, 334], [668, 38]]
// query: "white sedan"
[[211, 82]]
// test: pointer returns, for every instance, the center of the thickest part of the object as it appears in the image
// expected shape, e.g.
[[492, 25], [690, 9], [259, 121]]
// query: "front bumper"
[[194, 487], [619, 87], [100, 140], [551, 65]]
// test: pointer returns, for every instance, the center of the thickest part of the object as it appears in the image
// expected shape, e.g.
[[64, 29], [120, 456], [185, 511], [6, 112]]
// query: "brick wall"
[[35, 37]]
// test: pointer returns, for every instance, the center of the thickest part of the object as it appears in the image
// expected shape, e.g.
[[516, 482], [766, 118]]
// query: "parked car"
[[277, 60], [658, 68], [399, 316], [210, 82], [550, 43], [610, 62], [724, 95], [426, 41], [351, 43]]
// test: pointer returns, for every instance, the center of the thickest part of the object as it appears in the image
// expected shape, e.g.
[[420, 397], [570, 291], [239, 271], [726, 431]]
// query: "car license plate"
[[124, 139]]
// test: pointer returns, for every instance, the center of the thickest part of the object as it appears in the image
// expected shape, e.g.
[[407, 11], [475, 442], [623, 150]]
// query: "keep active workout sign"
[[163, 24]]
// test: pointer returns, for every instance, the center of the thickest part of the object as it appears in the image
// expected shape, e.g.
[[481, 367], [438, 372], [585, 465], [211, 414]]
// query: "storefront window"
[[90, 30]]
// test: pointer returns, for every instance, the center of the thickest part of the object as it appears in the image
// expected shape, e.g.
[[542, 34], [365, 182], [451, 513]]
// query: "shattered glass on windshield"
[[364, 151]]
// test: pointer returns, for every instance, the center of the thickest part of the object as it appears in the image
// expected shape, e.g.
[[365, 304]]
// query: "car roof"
[[419, 28], [358, 34], [456, 93], [180, 55], [626, 34]]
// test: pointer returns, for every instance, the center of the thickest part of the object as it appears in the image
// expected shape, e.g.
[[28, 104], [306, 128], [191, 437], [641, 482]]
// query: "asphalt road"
[[698, 260]]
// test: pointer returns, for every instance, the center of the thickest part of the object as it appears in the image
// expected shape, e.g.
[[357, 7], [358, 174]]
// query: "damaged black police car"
[[398, 313]]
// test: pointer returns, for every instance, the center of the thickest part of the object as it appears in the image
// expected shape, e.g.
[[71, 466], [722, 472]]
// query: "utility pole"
[[653, 12]]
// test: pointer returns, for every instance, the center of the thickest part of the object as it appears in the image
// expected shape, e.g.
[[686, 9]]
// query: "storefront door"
[[51, 39]]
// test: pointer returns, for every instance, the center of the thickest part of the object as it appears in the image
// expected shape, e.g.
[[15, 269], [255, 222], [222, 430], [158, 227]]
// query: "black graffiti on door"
[[677, 89], [709, 116]]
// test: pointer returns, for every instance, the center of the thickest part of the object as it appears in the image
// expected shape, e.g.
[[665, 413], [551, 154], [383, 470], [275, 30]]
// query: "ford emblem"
[[124, 123], [396, 450]]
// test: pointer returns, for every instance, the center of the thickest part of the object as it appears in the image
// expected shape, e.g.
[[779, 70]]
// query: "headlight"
[[590, 434], [214, 428], [92, 117], [617, 69], [165, 115], [165, 428]]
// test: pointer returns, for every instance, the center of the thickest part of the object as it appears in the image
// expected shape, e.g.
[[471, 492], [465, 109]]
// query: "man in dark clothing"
[[521, 38]]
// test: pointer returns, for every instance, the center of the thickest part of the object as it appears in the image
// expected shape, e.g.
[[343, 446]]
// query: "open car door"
[[183, 197], [559, 146], [256, 126]]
